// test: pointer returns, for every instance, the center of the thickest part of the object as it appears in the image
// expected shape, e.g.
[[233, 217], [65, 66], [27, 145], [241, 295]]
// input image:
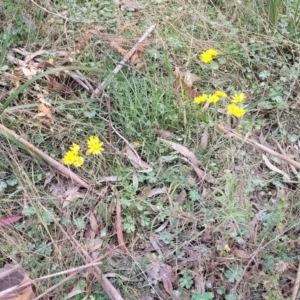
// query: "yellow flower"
[[200, 99], [205, 57], [221, 94], [78, 161], [213, 52], [236, 111], [213, 98], [237, 98], [75, 148], [95, 146], [208, 55], [69, 158], [50, 60]]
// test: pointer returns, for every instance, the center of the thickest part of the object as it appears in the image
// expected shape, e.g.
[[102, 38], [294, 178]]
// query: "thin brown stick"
[[119, 223], [55, 286], [58, 166], [297, 283], [96, 262], [123, 62], [111, 291], [258, 145]]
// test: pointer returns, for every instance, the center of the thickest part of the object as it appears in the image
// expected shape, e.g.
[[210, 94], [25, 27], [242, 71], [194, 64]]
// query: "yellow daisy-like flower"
[[205, 57], [200, 99], [213, 52], [221, 94], [78, 161], [69, 158], [208, 55], [75, 148], [236, 111], [95, 146], [213, 98], [237, 98]]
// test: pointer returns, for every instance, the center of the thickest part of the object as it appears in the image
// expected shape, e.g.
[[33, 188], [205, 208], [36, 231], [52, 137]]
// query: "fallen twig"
[[296, 285], [258, 145], [74, 271], [123, 62], [119, 223], [58, 166], [111, 291]]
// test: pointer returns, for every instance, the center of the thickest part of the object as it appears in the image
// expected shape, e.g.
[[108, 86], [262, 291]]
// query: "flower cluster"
[[72, 157], [232, 109], [212, 98], [208, 55]]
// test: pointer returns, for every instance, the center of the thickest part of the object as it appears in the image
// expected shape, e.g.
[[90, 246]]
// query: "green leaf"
[[203, 296], [47, 217], [28, 211], [234, 274], [79, 223], [293, 138], [231, 296], [3, 186], [186, 280], [12, 181]]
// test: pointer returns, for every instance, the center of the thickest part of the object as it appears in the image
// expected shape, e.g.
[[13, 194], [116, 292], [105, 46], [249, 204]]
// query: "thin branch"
[[297, 283], [258, 145], [123, 62], [111, 291]]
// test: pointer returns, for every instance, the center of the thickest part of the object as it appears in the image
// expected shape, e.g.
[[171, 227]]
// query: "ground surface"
[[233, 235]]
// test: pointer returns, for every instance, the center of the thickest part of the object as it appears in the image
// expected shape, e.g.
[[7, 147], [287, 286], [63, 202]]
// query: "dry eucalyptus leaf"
[[190, 78], [204, 139], [167, 277], [136, 161], [183, 151], [164, 134], [200, 173], [157, 191], [94, 223], [274, 168]]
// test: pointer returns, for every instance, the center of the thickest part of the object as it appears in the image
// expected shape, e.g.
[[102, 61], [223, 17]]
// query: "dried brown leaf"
[[164, 134], [204, 139], [199, 283], [153, 269], [29, 71], [157, 191], [242, 254], [94, 223], [128, 5], [274, 168], [181, 197], [13, 277], [135, 160], [167, 276], [110, 179], [183, 151], [202, 175], [71, 194], [190, 78]]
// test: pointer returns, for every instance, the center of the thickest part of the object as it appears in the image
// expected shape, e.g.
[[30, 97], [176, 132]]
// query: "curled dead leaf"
[[11, 277], [164, 134], [167, 277], [157, 191], [136, 161], [183, 151], [274, 168], [204, 139]]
